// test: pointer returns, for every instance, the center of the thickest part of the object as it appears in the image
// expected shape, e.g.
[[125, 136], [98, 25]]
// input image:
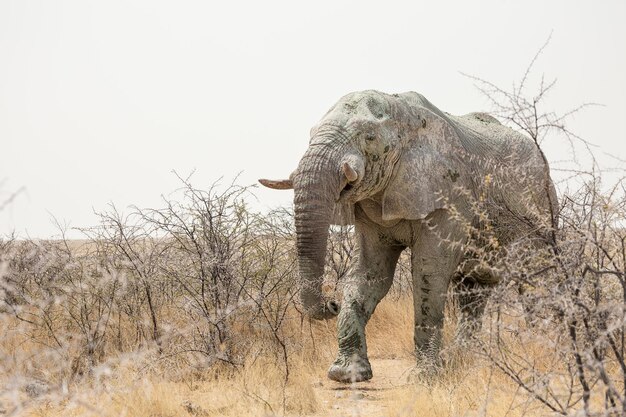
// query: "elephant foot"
[[354, 369]]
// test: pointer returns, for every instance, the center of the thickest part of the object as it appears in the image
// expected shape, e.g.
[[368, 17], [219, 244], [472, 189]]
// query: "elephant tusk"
[[277, 184]]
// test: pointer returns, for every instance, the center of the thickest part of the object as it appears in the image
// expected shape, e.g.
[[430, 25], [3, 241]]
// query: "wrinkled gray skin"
[[388, 164]]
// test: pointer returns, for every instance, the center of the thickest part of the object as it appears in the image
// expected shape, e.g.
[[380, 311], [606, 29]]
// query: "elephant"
[[408, 175]]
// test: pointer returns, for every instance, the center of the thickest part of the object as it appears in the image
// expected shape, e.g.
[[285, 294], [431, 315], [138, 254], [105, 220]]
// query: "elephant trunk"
[[317, 184]]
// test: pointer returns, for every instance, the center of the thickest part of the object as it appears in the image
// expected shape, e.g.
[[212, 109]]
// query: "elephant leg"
[[472, 297], [434, 262], [362, 291]]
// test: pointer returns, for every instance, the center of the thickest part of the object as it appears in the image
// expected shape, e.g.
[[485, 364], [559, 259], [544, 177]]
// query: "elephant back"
[[511, 175]]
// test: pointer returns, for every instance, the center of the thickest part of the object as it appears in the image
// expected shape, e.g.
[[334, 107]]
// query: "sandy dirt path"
[[364, 399]]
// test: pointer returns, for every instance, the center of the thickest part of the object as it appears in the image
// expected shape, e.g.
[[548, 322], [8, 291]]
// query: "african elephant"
[[394, 165]]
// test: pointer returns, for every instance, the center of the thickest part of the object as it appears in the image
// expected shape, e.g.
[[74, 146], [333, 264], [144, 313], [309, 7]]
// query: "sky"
[[101, 100]]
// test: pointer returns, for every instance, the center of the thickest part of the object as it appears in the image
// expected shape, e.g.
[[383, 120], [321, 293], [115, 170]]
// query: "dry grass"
[[142, 385]]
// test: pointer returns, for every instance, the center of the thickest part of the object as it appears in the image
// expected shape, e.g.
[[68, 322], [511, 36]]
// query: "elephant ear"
[[343, 214], [428, 170]]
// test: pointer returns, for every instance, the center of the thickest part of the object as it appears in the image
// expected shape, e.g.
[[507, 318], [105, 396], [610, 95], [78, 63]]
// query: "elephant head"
[[368, 144]]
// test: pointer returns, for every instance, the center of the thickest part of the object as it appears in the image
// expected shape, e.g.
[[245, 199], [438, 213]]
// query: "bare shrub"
[[200, 282], [556, 321]]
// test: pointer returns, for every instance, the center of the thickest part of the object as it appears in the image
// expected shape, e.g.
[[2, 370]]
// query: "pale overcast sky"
[[101, 100]]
